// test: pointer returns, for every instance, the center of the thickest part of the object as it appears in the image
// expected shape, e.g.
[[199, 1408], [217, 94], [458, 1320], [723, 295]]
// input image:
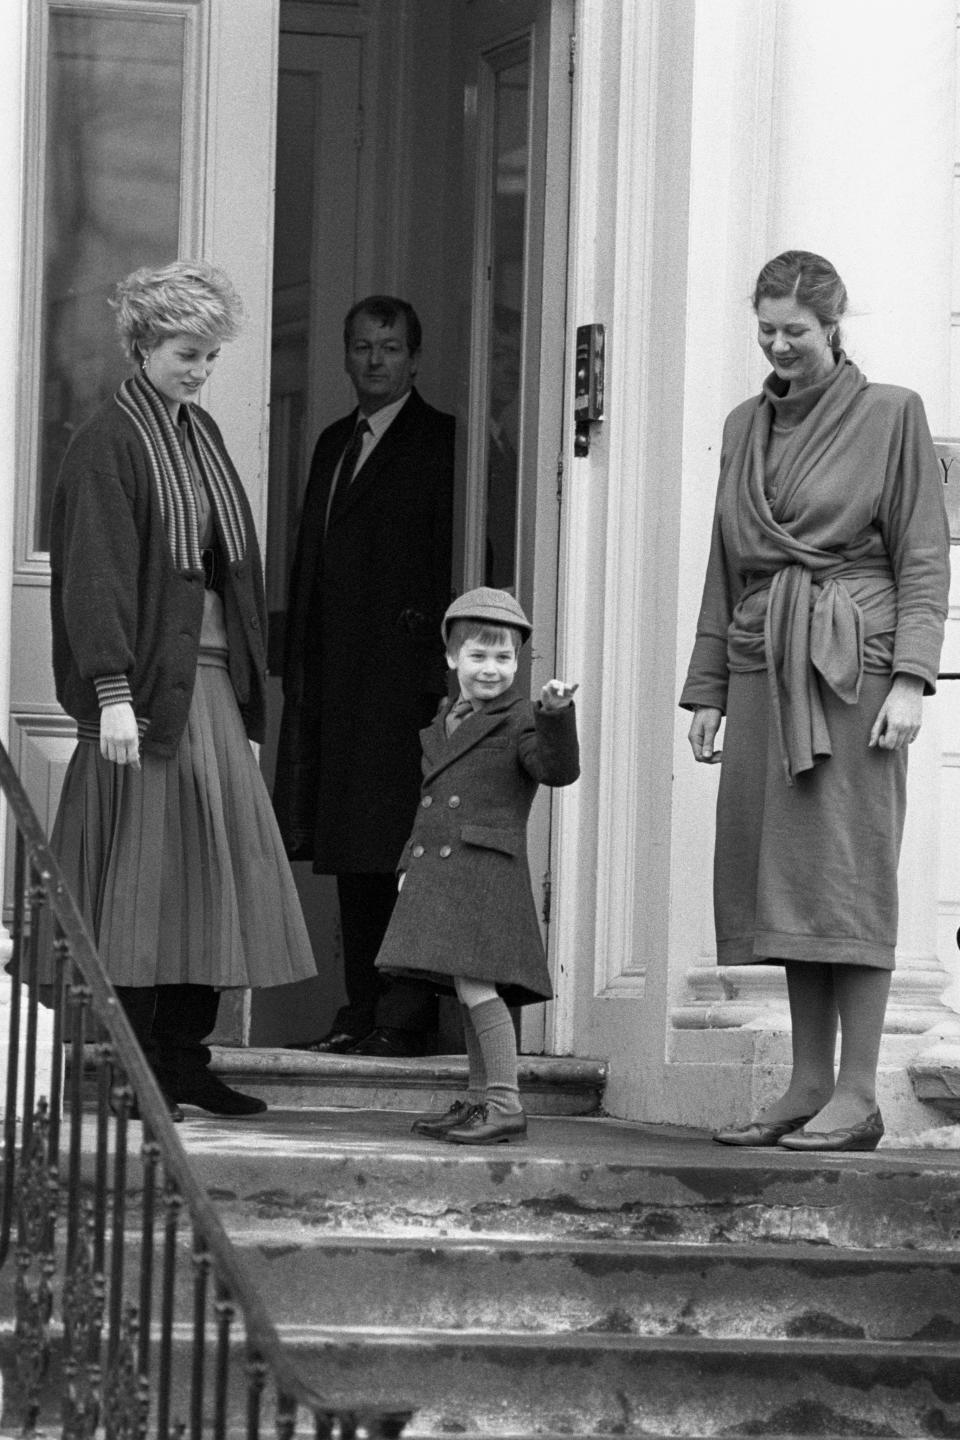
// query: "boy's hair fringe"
[[462, 631]]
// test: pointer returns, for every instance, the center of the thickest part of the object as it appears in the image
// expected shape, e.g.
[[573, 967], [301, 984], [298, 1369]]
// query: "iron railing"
[[133, 1316]]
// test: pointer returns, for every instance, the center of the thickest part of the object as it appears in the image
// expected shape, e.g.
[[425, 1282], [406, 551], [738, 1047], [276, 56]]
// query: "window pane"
[[511, 147], [111, 203]]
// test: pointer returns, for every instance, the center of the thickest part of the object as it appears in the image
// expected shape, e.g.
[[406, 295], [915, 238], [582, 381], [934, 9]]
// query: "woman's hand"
[[119, 736], [703, 733], [557, 694], [898, 720]]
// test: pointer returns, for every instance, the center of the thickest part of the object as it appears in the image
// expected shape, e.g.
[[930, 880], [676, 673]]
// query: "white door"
[[314, 272], [513, 59], [315, 278], [149, 132]]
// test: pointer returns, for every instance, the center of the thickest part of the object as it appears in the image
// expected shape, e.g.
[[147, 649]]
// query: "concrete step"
[[236, 1419], [476, 1387], [288, 1079], [600, 1278], [633, 1386], [356, 1173], [750, 1293], [503, 1385], [606, 1287]]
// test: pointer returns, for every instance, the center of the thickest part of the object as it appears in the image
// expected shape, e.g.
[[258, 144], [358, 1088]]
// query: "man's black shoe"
[[337, 1042], [391, 1044], [210, 1093], [173, 1109]]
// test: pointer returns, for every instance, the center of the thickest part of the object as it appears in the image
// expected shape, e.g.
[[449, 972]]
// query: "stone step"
[[587, 1281], [236, 1418], [606, 1287], [362, 1172], [288, 1079], [477, 1387], [517, 1385], [635, 1386]]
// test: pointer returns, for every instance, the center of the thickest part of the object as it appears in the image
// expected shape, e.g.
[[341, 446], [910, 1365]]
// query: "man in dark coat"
[[364, 667]]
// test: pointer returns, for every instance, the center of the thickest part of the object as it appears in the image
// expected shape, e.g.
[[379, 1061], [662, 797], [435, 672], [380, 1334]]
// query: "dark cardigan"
[[118, 605]]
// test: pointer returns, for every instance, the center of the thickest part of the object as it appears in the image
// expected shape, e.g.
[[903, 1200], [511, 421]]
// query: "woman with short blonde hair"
[[165, 830]]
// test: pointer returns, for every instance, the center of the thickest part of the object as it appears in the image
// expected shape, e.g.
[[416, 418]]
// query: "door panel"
[[142, 145], [514, 88], [314, 284], [105, 102], [314, 274]]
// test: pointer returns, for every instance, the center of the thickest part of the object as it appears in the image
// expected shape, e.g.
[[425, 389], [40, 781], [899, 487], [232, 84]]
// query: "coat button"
[[454, 802], [417, 851], [445, 850], [427, 801]]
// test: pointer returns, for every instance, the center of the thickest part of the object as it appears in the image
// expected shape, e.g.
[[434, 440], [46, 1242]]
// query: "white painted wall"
[[843, 148], [706, 139]]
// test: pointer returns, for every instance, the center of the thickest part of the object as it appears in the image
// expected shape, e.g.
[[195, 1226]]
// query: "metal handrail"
[[119, 1369]]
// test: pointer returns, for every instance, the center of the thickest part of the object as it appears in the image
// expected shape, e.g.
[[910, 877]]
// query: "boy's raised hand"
[[557, 694]]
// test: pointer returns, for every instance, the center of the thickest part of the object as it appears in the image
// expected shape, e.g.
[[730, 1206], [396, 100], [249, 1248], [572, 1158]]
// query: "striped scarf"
[[148, 411]]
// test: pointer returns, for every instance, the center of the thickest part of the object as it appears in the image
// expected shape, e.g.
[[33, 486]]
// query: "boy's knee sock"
[[498, 1046], [477, 1082]]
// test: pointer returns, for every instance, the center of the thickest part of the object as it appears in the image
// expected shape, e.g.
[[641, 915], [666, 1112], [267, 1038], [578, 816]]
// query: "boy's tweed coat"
[[466, 907]]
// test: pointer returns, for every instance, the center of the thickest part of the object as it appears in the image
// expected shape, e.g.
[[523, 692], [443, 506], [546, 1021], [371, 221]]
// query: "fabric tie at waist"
[[801, 642]]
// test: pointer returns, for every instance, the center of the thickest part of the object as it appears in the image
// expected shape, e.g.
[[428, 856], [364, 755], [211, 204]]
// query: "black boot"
[[185, 1015], [209, 1092]]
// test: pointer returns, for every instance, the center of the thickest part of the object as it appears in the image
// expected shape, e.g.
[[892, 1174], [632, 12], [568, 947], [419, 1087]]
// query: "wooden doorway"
[[423, 150]]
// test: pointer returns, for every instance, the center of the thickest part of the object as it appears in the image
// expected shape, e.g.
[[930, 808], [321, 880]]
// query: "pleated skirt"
[[807, 871], [178, 868]]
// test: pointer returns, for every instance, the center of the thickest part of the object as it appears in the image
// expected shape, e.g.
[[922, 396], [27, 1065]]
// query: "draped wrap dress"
[[828, 573]]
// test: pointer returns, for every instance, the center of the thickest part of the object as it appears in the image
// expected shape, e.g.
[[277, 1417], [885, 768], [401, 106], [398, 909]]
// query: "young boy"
[[465, 917]]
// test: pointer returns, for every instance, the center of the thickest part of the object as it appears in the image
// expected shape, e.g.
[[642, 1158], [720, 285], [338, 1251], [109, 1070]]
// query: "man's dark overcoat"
[[364, 664], [466, 907]]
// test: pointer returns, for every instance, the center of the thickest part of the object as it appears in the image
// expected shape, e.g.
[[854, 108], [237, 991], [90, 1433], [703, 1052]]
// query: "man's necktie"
[[348, 464], [456, 715]]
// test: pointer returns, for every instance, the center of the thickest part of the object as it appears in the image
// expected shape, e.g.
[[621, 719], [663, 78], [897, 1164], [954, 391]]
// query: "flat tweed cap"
[[495, 607]]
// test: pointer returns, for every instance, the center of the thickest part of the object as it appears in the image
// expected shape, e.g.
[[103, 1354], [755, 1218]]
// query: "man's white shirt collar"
[[383, 418]]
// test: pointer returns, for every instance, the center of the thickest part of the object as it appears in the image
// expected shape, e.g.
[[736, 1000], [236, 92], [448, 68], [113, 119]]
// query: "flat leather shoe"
[[337, 1042], [758, 1132], [865, 1136], [209, 1092], [441, 1121], [391, 1044], [486, 1125]]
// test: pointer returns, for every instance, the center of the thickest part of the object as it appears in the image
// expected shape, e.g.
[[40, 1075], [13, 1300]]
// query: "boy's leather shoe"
[[441, 1121], [335, 1042], [486, 1125], [210, 1093], [391, 1044]]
